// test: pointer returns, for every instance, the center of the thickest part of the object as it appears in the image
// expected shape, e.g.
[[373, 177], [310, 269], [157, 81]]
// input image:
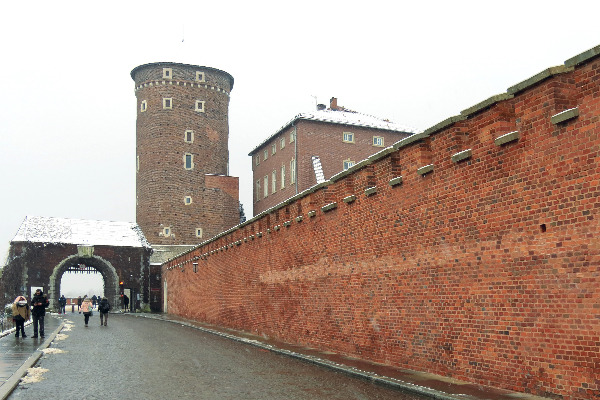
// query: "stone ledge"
[[371, 190], [565, 116], [425, 169], [329, 207], [287, 223], [395, 181], [349, 199], [311, 213], [485, 104], [462, 155], [507, 138], [299, 218]]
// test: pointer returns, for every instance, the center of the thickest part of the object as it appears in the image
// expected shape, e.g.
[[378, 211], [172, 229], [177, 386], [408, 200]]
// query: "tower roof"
[[165, 63]]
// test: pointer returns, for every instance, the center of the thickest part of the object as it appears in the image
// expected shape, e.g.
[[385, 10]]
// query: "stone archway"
[[104, 267]]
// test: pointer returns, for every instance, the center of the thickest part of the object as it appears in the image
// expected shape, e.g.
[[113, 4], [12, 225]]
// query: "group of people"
[[22, 311]]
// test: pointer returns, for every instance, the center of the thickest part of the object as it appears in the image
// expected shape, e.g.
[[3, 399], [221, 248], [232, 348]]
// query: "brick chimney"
[[333, 104]]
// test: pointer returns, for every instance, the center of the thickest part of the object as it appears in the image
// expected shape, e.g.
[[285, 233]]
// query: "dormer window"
[[200, 76], [167, 73]]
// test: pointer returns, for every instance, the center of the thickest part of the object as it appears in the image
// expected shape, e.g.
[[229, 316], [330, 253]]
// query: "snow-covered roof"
[[343, 117], [80, 231]]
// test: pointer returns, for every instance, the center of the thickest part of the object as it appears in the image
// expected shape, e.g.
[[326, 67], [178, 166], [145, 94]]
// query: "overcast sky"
[[68, 108]]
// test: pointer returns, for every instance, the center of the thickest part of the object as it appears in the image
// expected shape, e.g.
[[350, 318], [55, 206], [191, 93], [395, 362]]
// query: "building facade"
[[183, 192], [312, 147]]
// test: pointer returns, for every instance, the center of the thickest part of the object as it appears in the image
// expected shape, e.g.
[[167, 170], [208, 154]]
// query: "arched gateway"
[[45, 248]]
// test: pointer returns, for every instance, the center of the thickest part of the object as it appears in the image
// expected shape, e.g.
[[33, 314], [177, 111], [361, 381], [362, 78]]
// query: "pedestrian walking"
[[38, 311], [86, 307], [104, 308], [94, 298], [79, 301], [21, 313], [62, 303], [126, 302]]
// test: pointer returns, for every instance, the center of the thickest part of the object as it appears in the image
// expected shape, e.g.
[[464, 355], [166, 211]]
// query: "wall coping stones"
[[462, 155], [299, 218], [411, 139], [395, 181], [486, 104], [425, 169], [565, 116], [537, 78], [287, 223], [444, 124], [583, 57], [507, 138], [311, 213]]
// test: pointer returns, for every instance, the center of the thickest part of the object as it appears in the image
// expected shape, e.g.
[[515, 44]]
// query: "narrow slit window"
[[199, 106]]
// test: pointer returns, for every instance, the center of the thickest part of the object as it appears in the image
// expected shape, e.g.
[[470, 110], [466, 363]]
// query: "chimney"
[[333, 104]]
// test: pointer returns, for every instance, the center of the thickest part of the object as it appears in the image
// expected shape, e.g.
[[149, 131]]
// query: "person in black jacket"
[[39, 303], [104, 308], [62, 302]]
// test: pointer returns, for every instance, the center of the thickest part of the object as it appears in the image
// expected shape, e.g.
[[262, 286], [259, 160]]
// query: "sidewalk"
[[18, 354]]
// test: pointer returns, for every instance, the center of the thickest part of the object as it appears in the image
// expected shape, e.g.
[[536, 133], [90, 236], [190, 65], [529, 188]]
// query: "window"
[[166, 231], [187, 200], [282, 143], [199, 106], [348, 164], [143, 106], [283, 176], [189, 136], [273, 181], [199, 76], [199, 232], [188, 160], [293, 171], [266, 186], [137, 163], [167, 103], [292, 136], [378, 141], [167, 73], [273, 148], [258, 190], [265, 154], [257, 159], [348, 137]]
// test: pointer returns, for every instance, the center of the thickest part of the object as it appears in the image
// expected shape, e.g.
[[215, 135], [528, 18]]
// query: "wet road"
[[152, 359]]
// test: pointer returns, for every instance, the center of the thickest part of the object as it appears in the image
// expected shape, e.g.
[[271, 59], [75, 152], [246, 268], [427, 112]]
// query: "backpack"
[[104, 306]]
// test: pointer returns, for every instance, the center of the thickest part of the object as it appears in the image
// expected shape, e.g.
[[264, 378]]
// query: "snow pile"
[[33, 375], [36, 229], [353, 118], [52, 350]]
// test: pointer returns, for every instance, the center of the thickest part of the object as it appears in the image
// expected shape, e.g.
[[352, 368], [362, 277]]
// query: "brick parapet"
[[485, 268]]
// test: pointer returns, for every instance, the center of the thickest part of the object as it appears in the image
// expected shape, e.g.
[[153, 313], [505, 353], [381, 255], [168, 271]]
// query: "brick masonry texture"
[[486, 269], [162, 181]]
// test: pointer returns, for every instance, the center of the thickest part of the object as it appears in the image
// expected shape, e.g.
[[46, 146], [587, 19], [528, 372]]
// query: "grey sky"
[[68, 109]]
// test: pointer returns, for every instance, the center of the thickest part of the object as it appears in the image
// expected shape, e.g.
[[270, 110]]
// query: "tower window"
[[257, 159], [167, 103], [188, 161], [265, 154], [292, 136], [348, 137], [143, 106], [189, 136], [258, 190], [283, 176], [282, 143], [293, 171], [199, 232], [200, 76], [273, 148], [199, 106], [266, 186], [187, 200], [167, 73], [273, 181], [166, 232]]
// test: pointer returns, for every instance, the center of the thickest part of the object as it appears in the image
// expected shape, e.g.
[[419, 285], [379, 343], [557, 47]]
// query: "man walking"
[[39, 303]]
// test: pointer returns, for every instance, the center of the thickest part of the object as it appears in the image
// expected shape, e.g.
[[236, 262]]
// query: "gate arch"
[[104, 267]]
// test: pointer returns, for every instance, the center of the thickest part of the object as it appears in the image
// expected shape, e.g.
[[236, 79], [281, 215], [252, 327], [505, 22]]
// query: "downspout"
[[296, 157]]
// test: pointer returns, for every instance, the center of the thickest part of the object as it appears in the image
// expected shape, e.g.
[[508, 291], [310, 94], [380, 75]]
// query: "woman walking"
[[86, 308], [21, 313]]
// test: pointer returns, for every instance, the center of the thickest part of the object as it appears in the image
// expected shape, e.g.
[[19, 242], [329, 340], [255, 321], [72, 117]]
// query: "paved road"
[[145, 358]]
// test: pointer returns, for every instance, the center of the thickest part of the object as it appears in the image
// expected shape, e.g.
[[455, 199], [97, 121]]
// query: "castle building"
[[314, 146], [183, 192]]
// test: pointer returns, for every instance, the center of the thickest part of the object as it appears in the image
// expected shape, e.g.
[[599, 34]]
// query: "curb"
[[11, 383]]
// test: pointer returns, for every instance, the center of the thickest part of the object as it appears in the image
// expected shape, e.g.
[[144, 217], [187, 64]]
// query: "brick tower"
[[183, 191]]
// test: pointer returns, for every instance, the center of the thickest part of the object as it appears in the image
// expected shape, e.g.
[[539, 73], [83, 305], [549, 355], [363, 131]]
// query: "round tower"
[[183, 193]]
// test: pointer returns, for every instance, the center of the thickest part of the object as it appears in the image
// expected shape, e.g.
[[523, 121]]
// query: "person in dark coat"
[[126, 302], [104, 308], [62, 302], [38, 311], [79, 300], [94, 298]]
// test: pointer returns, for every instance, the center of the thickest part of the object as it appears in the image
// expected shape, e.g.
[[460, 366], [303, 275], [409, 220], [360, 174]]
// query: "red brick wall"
[[162, 181], [486, 270]]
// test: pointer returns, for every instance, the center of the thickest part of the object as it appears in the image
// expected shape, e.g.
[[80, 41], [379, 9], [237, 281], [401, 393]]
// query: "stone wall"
[[469, 250]]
